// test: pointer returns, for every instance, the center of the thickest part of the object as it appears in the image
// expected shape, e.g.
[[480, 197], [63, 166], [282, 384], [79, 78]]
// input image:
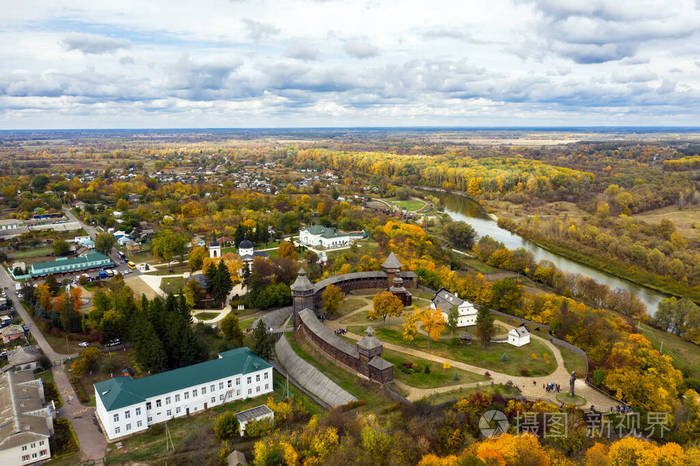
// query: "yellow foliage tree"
[[433, 322], [514, 449], [410, 326], [287, 249], [76, 294], [385, 304], [332, 298]]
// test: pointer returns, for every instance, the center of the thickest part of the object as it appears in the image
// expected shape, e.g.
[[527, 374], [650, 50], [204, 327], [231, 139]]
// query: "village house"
[[11, 333], [445, 301], [519, 336], [125, 405], [253, 414], [86, 261], [23, 358]]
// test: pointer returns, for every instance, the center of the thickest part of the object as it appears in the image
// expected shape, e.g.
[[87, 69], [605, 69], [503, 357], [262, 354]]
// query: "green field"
[[206, 315], [410, 205], [349, 305], [574, 362], [36, 252], [437, 377], [489, 357], [172, 285], [370, 393]]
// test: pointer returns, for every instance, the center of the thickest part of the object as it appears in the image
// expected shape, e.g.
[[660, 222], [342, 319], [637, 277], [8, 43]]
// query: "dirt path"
[[525, 384]]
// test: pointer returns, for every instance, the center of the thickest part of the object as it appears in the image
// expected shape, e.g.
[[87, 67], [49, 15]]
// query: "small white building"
[[445, 301], [248, 254], [125, 405], [327, 237], [519, 336], [254, 414]]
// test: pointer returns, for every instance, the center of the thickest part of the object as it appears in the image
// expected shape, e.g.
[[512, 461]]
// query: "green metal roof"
[[120, 392], [328, 232], [90, 256]]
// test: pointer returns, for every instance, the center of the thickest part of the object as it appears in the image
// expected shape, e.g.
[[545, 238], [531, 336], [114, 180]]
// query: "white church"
[[445, 301]]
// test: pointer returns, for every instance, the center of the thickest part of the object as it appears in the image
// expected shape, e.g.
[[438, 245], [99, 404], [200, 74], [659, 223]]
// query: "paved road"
[[92, 442], [7, 282]]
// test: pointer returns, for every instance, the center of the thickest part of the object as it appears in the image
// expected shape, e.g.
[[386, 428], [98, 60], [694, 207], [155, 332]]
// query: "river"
[[463, 209]]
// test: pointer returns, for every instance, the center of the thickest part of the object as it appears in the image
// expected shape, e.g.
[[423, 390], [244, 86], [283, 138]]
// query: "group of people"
[[549, 387], [341, 331], [621, 409]]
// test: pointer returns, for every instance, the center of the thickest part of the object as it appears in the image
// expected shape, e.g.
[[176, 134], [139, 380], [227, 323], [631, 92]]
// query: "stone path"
[[92, 442], [309, 377]]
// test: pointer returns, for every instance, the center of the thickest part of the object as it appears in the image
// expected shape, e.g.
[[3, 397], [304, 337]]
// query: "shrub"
[[63, 441], [353, 404], [255, 429], [426, 370], [524, 372], [226, 426], [446, 365]]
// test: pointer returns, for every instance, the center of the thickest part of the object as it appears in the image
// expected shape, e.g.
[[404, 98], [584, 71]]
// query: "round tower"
[[302, 294]]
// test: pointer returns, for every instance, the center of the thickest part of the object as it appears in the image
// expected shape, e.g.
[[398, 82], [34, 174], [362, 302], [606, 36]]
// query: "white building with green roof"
[[328, 237], [87, 261], [126, 405]]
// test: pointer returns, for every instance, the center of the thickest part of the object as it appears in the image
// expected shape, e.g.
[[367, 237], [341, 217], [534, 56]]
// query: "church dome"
[[246, 244]]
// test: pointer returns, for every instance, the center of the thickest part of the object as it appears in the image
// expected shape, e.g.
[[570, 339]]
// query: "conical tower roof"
[[214, 241], [302, 283], [391, 262]]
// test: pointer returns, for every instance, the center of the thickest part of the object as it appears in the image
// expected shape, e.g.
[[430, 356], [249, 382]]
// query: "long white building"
[[126, 405], [327, 237], [445, 301]]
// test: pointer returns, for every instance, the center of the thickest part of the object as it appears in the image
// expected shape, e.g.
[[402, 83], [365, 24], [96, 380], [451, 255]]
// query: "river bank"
[[459, 206]]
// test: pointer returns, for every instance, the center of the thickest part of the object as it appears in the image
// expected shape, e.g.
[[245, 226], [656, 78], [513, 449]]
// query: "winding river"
[[466, 210]]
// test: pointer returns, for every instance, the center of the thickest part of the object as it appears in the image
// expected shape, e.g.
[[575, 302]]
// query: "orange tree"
[[385, 304]]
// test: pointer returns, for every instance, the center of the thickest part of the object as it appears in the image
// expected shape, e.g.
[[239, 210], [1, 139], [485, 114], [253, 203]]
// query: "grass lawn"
[[418, 293], [410, 205], [172, 284], [50, 390], [142, 256], [47, 251], [348, 305], [165, 270], [194, 434], [574, 361], [567, 400], [479, 266], [437, 377], [490, 358], [350, 382], [494, 389], [246, 323], [686, 355], [206, 315]]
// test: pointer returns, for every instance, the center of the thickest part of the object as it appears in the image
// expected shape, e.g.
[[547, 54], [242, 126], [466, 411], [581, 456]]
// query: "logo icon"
[[493, 423]]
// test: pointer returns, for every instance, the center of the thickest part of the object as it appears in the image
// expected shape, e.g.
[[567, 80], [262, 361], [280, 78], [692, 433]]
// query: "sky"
[[267, 63]]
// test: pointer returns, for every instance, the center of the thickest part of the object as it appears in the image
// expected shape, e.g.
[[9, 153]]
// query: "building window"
[[257, 377], [250, 390], [267, 386], [221, 385], [116, 430], [238, 392], [127, 414], [33, 445], [213, 399], [25, 457], [238, 381], [138, 424], [229, 384], [116, 417], [167, 400], [41, 442], [148, 406], [187, 395], [169, 412], [150, 419], [177, 409], [212, 387], [204, 390], [42, 453], [157, 403], [24, 448], [128, 427], [265, 376], [177, 398], [249, 380], [194, 393], [33, 455], [138, 411], [257, 389], [221, 397]]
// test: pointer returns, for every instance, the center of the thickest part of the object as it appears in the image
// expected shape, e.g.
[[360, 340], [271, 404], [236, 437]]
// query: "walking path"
[[309, 377], [92, 442], [525, 384]]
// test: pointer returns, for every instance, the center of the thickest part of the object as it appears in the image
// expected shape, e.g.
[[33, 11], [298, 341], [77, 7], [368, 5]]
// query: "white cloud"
[[93, 44], [360, 48]]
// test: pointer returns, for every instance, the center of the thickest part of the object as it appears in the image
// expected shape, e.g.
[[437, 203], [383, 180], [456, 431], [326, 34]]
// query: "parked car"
[[114, 342], [84, 344]]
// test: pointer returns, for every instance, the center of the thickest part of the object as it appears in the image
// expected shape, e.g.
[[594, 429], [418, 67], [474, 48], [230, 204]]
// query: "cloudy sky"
[[246, 63]]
